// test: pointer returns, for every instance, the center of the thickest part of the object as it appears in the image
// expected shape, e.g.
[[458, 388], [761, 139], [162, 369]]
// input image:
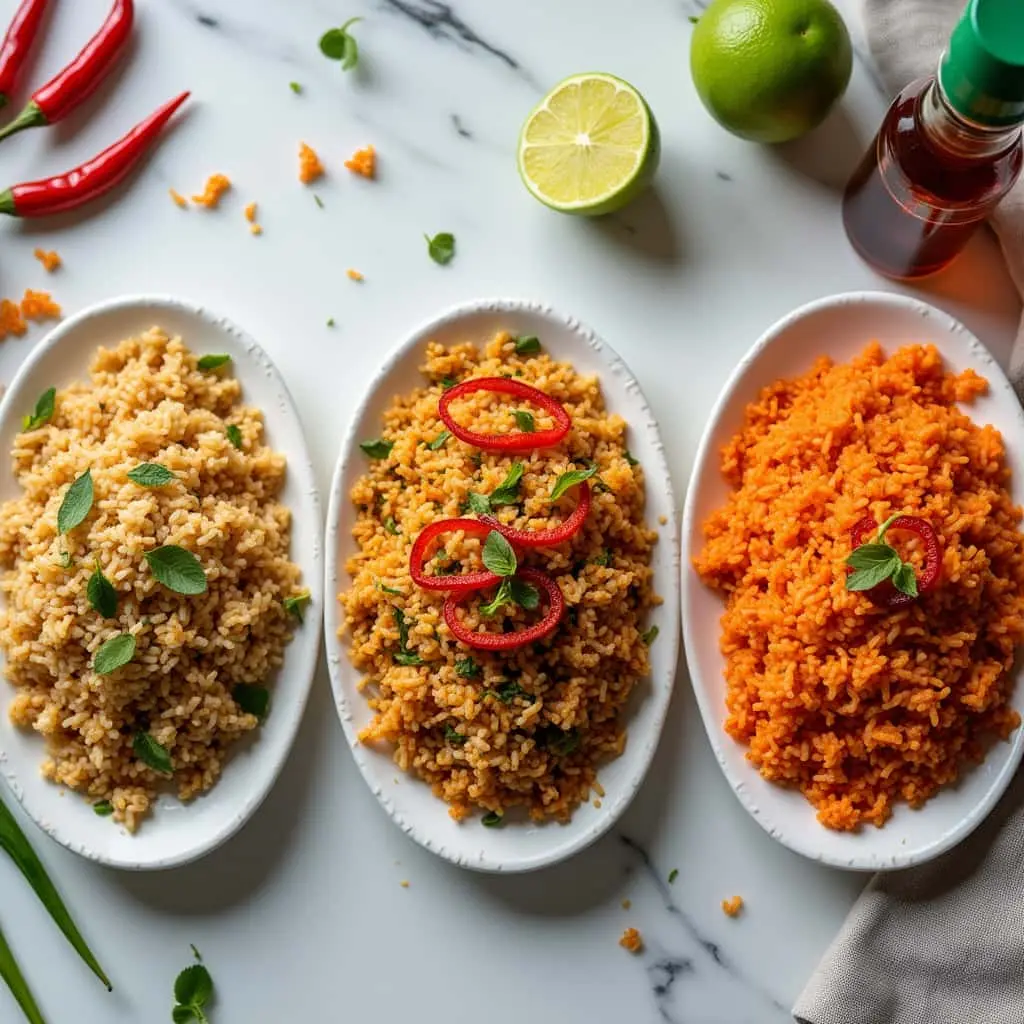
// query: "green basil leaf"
[[150, 474], [213, 362], [234, 435], [101, 594], [467, 668], [43, 412], [650, 635], [527, 345], [498, 555], [869, 555], [103, 808], [525, 594], [193, 986], [524, 421], [904, 579], [492, 820], [296, 604], [177, 569], [76, 504], [439, 441], [113, 653], [379, 449], [441, 247], [570, 479], [478, 503], [253, 700], [152, 753]]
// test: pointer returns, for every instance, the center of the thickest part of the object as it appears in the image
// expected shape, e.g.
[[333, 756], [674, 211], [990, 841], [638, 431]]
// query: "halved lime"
[[590, 146]]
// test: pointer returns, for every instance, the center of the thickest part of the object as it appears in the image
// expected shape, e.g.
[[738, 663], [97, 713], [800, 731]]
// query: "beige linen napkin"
[[943, 943]]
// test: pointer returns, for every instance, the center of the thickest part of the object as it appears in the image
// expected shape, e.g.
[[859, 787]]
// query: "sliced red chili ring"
[[546, 538], [517, 441], [422, 549], [509, 641], [885, 593]]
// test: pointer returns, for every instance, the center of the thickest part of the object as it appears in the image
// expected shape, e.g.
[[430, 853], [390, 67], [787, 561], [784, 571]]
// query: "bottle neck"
[[948, 130]]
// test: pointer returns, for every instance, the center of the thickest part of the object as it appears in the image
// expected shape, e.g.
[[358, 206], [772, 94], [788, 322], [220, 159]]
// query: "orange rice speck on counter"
[[39, 306], [51, 261], [354, 275], [216, 186], [250, 212], [11, 319], [732, 906], [310, 167], [177, 198], [363, 162], [632, 940], [858, 705], [256, 229]]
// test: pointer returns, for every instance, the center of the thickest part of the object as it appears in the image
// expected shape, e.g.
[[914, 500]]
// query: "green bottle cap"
[[982, 70]]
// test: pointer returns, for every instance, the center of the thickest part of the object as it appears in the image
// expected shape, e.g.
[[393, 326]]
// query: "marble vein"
[[253, 40]]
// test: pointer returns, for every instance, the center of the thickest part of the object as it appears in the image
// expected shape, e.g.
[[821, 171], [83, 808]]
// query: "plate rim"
[[312, 576], [333, 580], [741, 790]]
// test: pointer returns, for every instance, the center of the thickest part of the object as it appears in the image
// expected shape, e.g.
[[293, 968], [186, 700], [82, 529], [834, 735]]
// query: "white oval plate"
[[421, 815], [174, 833], [839, 327]]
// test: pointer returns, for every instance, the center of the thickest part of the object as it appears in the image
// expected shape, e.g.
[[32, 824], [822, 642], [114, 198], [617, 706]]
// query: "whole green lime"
[[770, 70]]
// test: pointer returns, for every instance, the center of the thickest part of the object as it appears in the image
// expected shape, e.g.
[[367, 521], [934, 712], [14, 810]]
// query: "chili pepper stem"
[[30, 117], [11, 973]]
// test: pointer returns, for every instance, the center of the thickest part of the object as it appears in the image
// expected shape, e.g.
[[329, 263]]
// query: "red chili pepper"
[[517, 441], [92, 179], [14, 49], [927, 576], [509, 641], [422, 548], [76, 82], [546, 538]]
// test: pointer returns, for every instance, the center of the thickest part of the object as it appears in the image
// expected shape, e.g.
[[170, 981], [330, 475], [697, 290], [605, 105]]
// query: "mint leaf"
[[629, 458], [193, 986], [492, 820], [212, 362], [527, 345], [177, 569], [184, 1015], [478, 503], [570, 479], [103, 808], [884, 528], [869, 555], [507, 492], [43, 411], [101, 594], [338, 44], [498, 555], [454, 737], [525, 594], [113, 653], [76, 504], [253, 700], [234, 435], [152, 753], [379, 449], [404, 656], [295, 88], [524, 421], [904, 579], [650, 635], [501, 598], [296, 604], [867, 579], [508, 691], [441, 247], [385, 589], [439, 441], [150, 474], [390, 526], [467, 668]]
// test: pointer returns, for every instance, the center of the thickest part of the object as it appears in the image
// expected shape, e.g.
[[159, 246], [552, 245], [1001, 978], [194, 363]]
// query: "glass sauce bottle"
[[948, 150]]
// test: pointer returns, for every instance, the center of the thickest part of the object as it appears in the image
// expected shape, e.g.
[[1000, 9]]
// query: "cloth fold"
[[942, 943]]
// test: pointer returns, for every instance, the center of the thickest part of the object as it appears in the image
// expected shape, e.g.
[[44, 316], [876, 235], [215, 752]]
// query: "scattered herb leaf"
[[629, 458], [570, 479], [65, 560], [604, 559], [319, 202], [196, 953], [507, 492], [43, 411], [527, 345], [295, 88], [177, 569], [378, 449], [525, 594], [103, 808], [404, 656], [492, 820], [478, 503], [501, 598], [439, 441], [76, 504], [508, 691], [467, 668], [391, 526], [330, 321], [192, 991], [498, 555], [152, 753], [452, 736], [113, 653], [253, 700], [385, 589], [441, 247], [561, 742], [101, 594], [151, 474], [213, 361], [295, 605], [339, 44], [447, 383], [673, 875], [234, 435], [524, 421], [649, 635]]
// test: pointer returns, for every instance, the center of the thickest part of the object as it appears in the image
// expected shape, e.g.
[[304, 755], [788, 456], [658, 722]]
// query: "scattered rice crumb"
[[310, 167], [39, 306], [354, 275], [626, 904], [363, 162], [250, 213], [631, 940], [597, 803], [216, 186], [255, 229], [11, 320], [663, 520], [50, 260], [404, 884], [733, 906], [177, 198]]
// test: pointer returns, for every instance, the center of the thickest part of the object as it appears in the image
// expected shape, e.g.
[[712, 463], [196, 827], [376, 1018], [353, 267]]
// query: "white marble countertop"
[[302, 916]]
